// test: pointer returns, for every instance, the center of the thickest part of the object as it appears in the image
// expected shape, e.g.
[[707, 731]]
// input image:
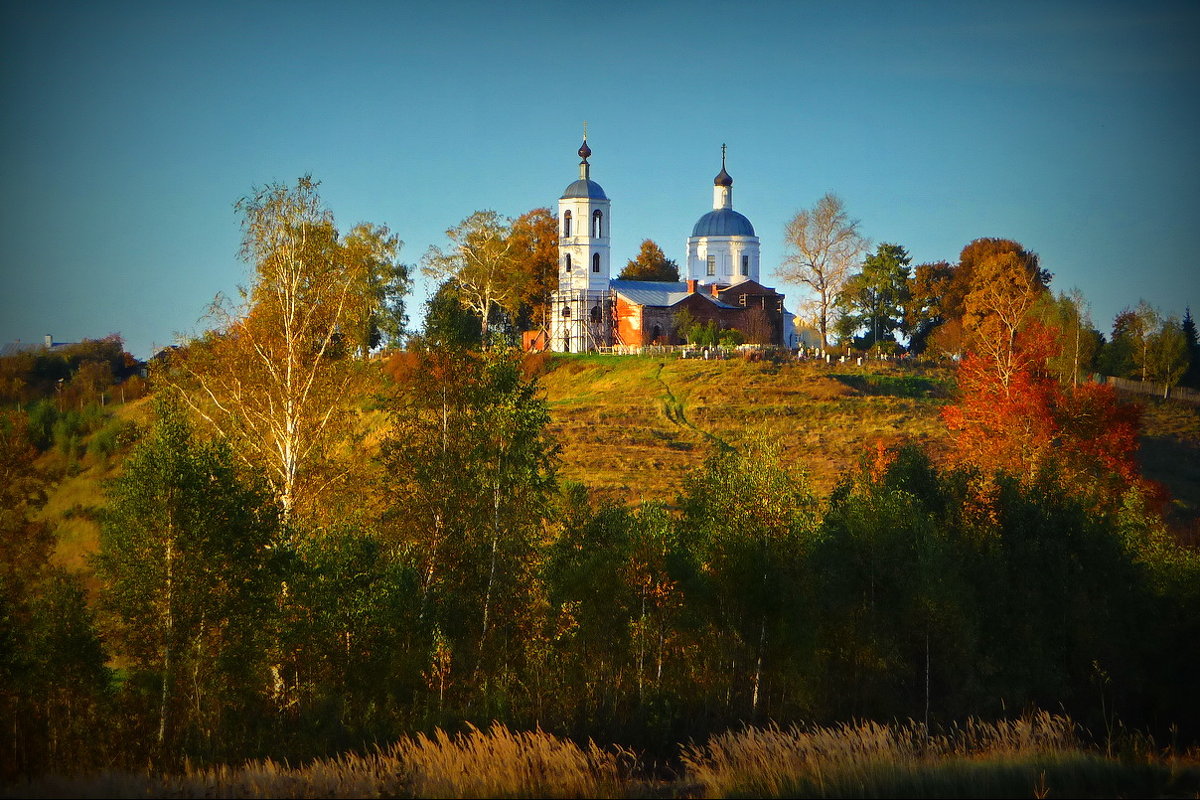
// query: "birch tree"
[[482, 263], [275, 374], [824, 246]]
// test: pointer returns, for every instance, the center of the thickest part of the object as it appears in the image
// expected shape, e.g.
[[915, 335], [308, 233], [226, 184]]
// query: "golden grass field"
[[1039, 755]]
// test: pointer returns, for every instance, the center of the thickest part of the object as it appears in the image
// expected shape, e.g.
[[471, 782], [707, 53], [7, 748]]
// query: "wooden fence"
[[1179, 393]]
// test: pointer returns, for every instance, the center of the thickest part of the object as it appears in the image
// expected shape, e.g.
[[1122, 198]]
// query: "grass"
[[631, 427], [1038, 756]]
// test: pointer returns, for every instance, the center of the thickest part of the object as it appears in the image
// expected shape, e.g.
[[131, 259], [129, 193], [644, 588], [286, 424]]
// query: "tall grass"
[[492, 763], [1037, 756]]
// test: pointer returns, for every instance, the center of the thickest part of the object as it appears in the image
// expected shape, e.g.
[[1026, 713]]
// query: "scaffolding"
[[582, 321]]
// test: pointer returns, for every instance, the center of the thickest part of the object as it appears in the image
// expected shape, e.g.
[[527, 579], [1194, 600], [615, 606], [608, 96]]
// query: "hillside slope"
[[632, 426]]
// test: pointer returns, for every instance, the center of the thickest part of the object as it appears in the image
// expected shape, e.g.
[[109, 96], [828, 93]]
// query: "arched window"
[[656, 334], [568, 261], [566, 311], [595, 262], [596, 315], [597, 227], [566, 223]]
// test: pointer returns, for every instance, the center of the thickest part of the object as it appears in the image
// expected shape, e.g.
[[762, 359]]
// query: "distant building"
[[18, 347], [590, 310]]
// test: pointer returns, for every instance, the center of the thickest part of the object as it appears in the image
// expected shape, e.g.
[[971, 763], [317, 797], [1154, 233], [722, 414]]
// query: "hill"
[[631, 427]]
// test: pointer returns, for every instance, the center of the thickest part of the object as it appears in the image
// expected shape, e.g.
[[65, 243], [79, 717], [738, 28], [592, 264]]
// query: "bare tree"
[[482, 262], [824, 246]]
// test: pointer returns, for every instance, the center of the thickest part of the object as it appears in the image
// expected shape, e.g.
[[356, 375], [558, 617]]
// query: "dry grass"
[[492, 763], [1034, 756], [1037, 756], [632, 427]]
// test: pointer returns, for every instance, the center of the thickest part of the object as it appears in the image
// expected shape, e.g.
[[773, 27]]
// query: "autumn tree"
[[482, 262], [534, 237], [923, 302], [651, 264], [873, 299], [824, 246], [1004, 289], [274, 376]]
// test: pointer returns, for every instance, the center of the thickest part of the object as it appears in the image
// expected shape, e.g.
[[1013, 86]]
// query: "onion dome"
[[584, 150], [722, 178], [723, 222]]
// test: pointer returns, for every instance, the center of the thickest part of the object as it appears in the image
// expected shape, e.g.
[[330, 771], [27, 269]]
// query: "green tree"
[[1167, 354], [874, 299], [376, 314], [748, 521], [1077, 342], [448, 323], [473, 463], [1188, 326], [651, 264], [482, 262], [53, 680], [185, 563]]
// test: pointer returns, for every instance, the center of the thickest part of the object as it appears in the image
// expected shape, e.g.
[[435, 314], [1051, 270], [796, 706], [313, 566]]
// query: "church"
[[591, 311]]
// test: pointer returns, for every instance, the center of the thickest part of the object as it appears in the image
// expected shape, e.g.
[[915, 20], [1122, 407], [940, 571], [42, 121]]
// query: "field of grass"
[[1037, 756], [632, 426]]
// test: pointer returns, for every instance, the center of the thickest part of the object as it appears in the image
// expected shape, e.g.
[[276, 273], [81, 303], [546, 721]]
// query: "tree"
[[185, 564], [275, 375], [1077, 342], [873, 299], [923, 312], [1192, 377], [376, 316], [535, 247], [1167, 354], [448, 322], [482, 262], [824, 245], [472, 460], [651, 264], [1004, 288]]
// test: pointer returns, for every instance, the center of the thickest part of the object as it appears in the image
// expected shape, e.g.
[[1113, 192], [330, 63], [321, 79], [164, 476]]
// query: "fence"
[[1179, 393]]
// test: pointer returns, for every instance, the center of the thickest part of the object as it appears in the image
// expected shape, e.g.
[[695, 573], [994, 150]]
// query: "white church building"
[[591, 311]]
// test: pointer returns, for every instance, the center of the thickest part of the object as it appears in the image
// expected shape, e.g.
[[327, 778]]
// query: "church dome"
[[723, 178], [585, 187], [722, 222]]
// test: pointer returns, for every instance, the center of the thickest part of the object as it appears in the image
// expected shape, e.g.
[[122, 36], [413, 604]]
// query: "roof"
[[661, 294], [16, 348], [723, 222], [585, 187]]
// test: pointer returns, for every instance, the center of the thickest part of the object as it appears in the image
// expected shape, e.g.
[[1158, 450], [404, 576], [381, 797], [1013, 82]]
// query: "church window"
[[595, 262], [567, 225], [596, 315], [745, 265], [568, 262], [712, 265], [566, 311], [597, 220]]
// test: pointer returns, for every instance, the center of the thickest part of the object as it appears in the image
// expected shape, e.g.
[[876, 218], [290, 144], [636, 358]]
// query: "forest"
[[319, 536]]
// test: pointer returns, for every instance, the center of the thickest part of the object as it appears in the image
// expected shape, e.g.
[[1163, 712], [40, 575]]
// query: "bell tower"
[[582, 306]]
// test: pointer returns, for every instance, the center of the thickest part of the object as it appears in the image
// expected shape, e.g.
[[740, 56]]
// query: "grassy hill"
[[632, 426]]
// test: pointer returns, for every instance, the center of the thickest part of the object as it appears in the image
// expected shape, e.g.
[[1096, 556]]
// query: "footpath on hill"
[[631, 427]]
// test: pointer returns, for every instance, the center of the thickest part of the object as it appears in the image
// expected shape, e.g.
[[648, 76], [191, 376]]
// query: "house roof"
[[661, 294]]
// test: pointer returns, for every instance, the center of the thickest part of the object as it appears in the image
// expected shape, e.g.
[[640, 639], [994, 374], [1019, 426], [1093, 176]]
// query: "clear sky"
[[130, 129]]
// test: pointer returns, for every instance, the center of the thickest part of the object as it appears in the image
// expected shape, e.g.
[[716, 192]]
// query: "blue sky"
[[130, 130]]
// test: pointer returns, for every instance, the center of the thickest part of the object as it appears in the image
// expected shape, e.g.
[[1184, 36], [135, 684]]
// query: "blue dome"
[[723, 222], [585, 188]]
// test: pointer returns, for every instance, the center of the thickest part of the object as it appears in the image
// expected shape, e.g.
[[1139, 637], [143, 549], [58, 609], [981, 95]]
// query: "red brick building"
[[646, 311]]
